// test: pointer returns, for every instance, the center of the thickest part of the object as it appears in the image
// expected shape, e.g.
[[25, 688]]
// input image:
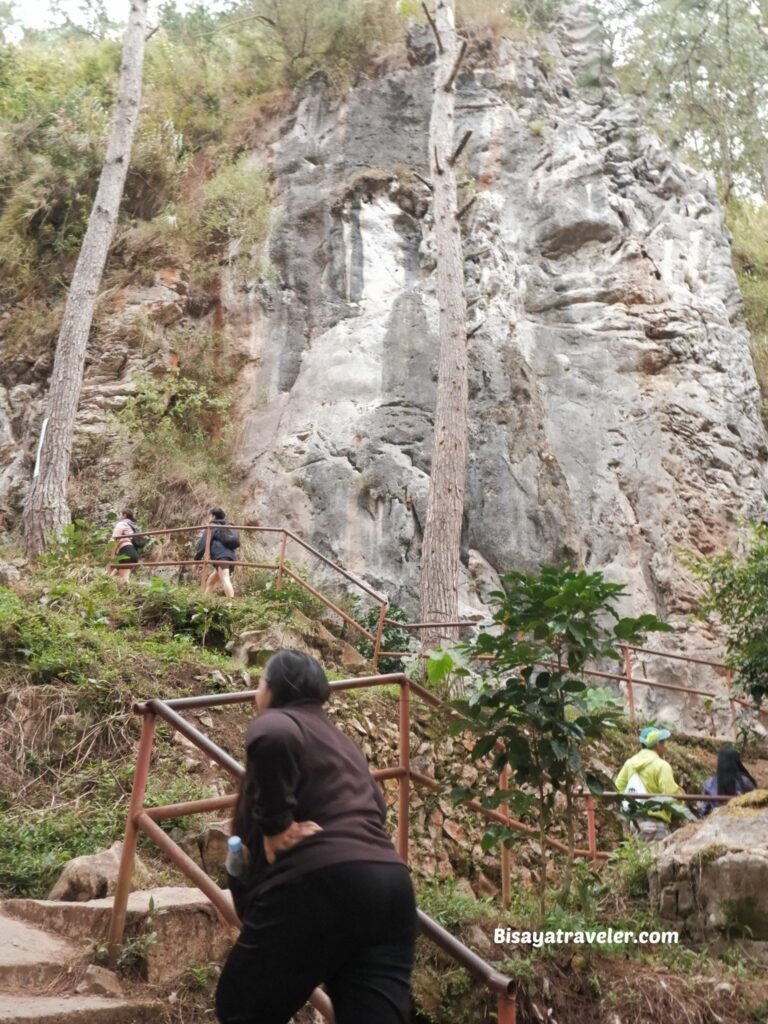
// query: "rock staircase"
[[45, 947]]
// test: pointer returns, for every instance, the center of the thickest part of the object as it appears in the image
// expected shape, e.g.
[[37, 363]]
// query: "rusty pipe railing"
[[280, 568], [503, 987], [145, 820]]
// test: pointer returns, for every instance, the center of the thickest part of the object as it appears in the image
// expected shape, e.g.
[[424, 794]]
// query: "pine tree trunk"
[[441, 546], [46, 510]]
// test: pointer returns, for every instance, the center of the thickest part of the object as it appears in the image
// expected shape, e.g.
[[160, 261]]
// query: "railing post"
[[506, 1009], [592, 831], [379, 634], [506, 860], [404, 782], [206, 556], [628, 676], [125, 871], [281, 561], [728, 686]]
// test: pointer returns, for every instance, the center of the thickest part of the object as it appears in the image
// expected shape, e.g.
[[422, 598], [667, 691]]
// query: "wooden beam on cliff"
[[433, 26], [455, 69]]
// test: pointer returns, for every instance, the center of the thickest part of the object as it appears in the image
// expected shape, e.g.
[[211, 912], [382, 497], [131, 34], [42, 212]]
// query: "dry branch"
[[431, 21], [460, 148], [455, 69], [460, 213]]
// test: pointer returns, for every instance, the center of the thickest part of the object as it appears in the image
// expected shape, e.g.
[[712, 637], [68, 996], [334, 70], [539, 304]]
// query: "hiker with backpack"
[[127, 545], [224, 543], [647, 772]]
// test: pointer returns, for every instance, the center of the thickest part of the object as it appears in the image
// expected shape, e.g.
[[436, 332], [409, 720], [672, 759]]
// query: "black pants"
[[350, 926]]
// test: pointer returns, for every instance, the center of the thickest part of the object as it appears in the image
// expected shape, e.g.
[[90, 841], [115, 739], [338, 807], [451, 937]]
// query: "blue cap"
[[234, 843], [651, 735]]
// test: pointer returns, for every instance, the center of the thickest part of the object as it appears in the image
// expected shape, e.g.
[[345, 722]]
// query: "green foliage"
[[450, 905], [132, 958], [175, 425], [749, 227], [738, 595], [392, 638], [629, 865], [35, 846], [234, 211], [534, 710], [204, 618], [702, 67]]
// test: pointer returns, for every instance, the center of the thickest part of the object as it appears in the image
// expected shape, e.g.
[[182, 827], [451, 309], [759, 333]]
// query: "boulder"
[[711, 879], [98, 981], [255, 647], [350, 658], [94, 876]]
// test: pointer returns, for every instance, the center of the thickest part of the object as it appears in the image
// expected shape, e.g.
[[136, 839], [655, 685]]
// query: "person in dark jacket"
[[224, 544], [732, 779], [325, 898]]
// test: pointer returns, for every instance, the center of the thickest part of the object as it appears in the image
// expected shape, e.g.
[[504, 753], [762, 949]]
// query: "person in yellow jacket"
[[648, 772]]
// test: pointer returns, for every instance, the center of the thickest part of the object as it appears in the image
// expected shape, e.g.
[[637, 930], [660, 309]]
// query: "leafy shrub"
[[34, 846], [234, 211], [187, 611], [738, 597], [451, 906], [392, 637]]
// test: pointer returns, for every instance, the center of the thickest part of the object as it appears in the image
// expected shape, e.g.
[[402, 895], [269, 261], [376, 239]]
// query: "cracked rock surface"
[[615, 413], [614, 407]]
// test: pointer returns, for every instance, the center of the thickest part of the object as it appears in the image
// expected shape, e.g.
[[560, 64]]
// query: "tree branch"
[[431, 21], [460, 213], [424, 181], [459, 149], [455, 69]]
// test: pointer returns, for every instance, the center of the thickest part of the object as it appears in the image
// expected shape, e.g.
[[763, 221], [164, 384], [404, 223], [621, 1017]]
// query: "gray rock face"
[[614, 407], [712, 879]]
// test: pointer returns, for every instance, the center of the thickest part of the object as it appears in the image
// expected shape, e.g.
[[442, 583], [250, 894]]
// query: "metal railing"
[[145, 819], [280, 567]]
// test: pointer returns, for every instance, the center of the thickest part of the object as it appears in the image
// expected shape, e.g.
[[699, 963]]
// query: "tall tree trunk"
[[441, 546], [46, 510]]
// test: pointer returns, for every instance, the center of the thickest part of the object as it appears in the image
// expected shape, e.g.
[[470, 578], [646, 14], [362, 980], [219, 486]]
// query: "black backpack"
[[138, 542], [229, 537]]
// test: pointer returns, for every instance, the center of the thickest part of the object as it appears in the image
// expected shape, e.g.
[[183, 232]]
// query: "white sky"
[[37, 13]]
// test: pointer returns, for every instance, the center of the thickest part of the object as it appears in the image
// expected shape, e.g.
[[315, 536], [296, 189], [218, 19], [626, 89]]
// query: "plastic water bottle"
[[235, 862]]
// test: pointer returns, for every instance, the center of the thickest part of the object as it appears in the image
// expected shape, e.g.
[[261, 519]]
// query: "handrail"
[[485, 972], [145, 819], [279, 567]]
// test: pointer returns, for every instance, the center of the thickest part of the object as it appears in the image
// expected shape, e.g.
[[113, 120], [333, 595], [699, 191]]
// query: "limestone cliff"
[[614, 407]]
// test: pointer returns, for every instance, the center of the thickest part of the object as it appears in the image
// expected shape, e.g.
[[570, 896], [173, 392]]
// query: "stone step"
[[187, 927], [31, 958], [24, 1009]]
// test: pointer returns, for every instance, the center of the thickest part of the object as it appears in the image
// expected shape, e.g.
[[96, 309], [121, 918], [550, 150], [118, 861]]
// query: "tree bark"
[[441, 545], [45, 509]]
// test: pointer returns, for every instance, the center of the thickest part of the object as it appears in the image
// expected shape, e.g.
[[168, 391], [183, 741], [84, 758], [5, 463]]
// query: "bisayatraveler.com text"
[[588, 937]]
